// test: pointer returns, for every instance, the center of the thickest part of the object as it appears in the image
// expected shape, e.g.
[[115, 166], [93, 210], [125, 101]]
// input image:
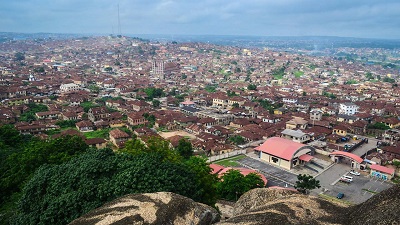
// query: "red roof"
[[306, 157], [280, 147], [216, 168], [348, 154], [243, 171], [382, 169]]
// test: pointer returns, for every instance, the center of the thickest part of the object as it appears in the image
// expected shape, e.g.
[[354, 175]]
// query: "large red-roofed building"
[[284, 153]]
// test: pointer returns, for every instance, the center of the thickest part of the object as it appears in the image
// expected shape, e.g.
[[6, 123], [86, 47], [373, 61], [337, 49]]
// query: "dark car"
[[340, 195]]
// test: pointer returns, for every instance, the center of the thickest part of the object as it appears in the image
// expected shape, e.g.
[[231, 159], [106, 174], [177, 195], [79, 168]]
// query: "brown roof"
[[117, 133]]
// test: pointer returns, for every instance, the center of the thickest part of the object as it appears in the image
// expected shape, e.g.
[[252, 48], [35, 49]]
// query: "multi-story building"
[[348, 108]]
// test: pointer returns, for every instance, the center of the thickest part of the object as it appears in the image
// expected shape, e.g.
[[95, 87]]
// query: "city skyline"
[[364, 19]]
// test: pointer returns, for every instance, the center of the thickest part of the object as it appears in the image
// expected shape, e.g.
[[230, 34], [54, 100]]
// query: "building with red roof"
[[382, 172], [339, 156], [285, 153], [220, 170]]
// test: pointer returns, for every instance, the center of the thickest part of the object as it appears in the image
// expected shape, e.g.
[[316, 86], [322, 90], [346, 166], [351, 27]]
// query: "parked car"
[[354, 173], [345, 180], [340, 195]]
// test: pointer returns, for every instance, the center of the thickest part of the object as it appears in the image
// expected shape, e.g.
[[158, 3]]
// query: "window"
[[274, 159]]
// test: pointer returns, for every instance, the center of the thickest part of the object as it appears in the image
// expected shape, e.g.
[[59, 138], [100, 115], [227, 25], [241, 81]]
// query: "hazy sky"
[[348, 18]]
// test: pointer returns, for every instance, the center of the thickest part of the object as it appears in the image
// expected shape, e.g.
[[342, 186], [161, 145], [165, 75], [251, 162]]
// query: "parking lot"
[[359, 190], [274, 175]]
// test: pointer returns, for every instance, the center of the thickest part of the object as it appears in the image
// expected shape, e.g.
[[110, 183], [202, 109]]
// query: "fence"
[[226, 155]]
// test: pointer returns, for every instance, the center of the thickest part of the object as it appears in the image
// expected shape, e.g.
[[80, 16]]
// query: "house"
[[315, 114], [340, 130], [98, 113], [381, 172], [296, 136], [98, 143], [346, 118], [48, 115], [280, 111], [296, 123], [84, 126], [117, 123], [71, 87], [284, 153], [348, 108], [118, 137]]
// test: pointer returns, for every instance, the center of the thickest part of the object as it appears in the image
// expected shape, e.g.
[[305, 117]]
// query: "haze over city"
[[367, 19]]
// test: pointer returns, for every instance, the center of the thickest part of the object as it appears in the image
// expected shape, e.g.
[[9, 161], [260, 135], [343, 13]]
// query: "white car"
[[354, 173]]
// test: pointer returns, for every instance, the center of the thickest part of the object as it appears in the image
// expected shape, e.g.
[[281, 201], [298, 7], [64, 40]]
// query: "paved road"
[[365, 147]]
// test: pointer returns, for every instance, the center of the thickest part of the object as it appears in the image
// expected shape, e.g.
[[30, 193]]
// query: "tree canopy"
[[184, 148], [96, 177], [233, 184], [306, 183]]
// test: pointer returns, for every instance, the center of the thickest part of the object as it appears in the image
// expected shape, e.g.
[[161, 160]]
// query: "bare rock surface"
[[261, 206], [274, 206], [162, 208]]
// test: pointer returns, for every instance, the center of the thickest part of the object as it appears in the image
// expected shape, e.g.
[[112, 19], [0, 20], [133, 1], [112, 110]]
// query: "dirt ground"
[[180, 133]]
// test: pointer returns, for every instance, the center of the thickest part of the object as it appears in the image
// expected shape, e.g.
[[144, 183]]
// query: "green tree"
[[237, 140], [108, 69], [184, 76], [252, 87], [235, 105], [156, 103], [92, 179], [66, 123], [379, 126], [305, 183], [94, 88], [184, 148], [19, 56], [233, 184], [211, 88]]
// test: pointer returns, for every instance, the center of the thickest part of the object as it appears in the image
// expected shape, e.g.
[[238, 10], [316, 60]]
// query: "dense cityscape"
[[276, 110]]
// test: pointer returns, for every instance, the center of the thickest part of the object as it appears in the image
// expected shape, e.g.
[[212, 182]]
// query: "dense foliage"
[[97, 177], [233, 184], [29, 115]]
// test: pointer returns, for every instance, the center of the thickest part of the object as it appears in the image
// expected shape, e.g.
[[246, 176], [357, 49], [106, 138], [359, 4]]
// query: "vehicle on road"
[[355, 173], [340, 195]]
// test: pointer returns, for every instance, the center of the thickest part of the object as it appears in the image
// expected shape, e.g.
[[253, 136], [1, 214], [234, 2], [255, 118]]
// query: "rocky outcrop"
[[275, 206], [162, 208], [259, 206]]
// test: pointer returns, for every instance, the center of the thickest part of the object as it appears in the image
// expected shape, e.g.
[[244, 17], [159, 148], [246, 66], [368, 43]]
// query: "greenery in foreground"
[[41, 177]]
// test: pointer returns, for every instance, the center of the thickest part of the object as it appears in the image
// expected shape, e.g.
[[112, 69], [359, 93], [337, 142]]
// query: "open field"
[[230, 162], [180, 133]]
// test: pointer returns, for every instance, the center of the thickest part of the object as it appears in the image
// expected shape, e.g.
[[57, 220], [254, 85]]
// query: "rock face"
[[274, 206], [162, 208], [259, 206]]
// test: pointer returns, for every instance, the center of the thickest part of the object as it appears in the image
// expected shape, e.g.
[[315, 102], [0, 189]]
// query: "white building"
[[69, 87], [348, 108]]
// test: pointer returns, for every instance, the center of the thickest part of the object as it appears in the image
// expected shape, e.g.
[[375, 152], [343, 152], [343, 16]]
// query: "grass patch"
[[334, 199], [230, 162], [298, 74], [372, 192], [103, 133]]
